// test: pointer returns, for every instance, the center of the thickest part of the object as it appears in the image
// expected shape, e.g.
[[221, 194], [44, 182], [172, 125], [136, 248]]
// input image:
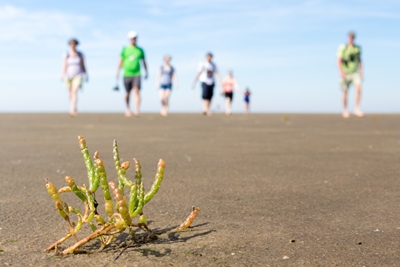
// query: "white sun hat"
[[132, 34]]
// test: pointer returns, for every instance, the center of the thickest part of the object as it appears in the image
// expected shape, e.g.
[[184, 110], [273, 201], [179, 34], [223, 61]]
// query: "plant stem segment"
[[189, 219], [88, 161]]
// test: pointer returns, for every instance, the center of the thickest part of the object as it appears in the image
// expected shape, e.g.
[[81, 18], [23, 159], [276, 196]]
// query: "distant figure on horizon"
[[131, 56], [164, 83], [228, 85], [247, 101], [350, 67], [206, 71], [73, 69]]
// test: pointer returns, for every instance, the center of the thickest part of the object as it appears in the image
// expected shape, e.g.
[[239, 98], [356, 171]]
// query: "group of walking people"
[[131, 59], [74, 71]]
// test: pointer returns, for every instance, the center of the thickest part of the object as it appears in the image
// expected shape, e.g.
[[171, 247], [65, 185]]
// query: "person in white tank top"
[[206, 71], [73, 70]]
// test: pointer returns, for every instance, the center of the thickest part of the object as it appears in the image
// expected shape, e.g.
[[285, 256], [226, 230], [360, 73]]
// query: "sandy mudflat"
[[330, 185]]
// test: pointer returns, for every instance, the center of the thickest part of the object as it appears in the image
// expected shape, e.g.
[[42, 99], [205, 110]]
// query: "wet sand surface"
[[274, 190]]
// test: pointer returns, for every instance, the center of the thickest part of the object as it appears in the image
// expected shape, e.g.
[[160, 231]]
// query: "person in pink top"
[[228, 85]]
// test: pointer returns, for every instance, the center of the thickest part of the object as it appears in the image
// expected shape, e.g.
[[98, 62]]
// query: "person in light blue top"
[[164, 83]]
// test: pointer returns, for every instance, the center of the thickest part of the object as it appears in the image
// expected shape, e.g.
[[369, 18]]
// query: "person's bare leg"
[[162, 97], [228, 106], [73, 91], [128, 112], [246, 108], [206, 107], [345, 113], [357, 110], [164, 94], [167, 93], [137, 100]]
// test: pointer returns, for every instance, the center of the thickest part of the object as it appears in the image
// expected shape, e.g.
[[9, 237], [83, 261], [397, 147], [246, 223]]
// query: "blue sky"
[[285, 51]]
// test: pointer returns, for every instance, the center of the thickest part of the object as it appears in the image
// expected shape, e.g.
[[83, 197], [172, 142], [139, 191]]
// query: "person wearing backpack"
[[73, 71], [350, 68]]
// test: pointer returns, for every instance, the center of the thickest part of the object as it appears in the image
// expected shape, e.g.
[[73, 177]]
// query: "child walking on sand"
[[228, 84], [246, 101]]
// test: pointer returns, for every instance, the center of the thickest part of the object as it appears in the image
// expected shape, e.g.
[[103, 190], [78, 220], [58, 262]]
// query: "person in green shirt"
[[131, 56], [350, 67]]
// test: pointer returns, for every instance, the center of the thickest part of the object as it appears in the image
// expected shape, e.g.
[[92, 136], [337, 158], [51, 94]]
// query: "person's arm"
[[339, 63], [175, 79], [223, 85], [84, 67], [145, 68], [158, 79], [195, 79], [360, 66], [64, 68], [340, 59], [360, 69], [236, 85], [121, 60], [218, 78]]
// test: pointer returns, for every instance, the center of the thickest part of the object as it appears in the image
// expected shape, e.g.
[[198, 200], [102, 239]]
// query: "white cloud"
[[18, 24]]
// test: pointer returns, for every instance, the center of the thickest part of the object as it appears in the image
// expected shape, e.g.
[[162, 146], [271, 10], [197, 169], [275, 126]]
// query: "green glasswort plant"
[[120, 213]]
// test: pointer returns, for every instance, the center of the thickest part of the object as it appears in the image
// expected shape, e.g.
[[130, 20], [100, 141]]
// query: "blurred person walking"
[[206, 71], [73, 70], [131, 56], [164, 83], [247, 101], [228, 85], [350, 68]]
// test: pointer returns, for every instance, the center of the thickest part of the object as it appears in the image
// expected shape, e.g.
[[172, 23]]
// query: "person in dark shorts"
[[206, 71], [131, 56], [164, 83], [247, 101], [228, 85]]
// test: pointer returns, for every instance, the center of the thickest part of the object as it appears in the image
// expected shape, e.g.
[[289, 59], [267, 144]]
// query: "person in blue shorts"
[[247, 101], [164, 83]]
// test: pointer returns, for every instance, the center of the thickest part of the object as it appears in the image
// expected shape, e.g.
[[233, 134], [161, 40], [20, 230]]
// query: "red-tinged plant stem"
[[94, 235], [189, 219]]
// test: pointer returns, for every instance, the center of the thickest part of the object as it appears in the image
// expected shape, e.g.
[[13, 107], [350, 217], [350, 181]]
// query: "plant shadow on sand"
[[124, 243]]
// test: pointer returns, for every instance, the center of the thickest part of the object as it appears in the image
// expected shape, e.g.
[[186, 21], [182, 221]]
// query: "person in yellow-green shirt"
[[131, 56], [350, 67]]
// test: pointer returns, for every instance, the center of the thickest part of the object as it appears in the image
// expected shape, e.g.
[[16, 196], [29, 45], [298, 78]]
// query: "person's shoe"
[[358, 113], [345, 114]]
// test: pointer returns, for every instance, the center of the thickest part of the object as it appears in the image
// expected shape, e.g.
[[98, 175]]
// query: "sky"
[[284, 51]]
